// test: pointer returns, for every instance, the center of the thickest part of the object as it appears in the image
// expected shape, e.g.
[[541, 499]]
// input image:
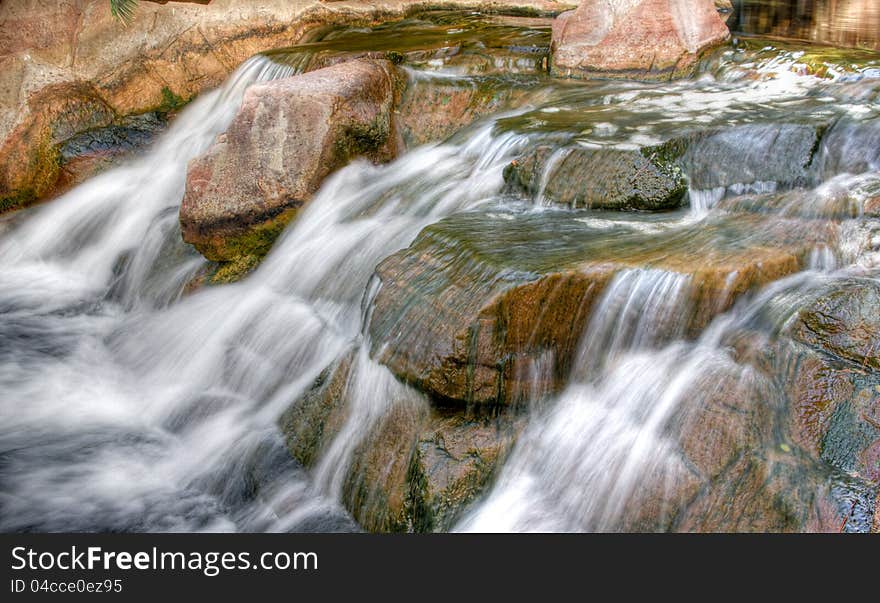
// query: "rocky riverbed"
[[413, 270]]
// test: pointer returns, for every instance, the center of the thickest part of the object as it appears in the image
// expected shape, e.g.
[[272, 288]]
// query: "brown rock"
[[643, 39], [875, 526], [816, 389], [432, 110], [417, 467], [844, 323], [482, 310], [763, 495], [30, 158], [287, 137]]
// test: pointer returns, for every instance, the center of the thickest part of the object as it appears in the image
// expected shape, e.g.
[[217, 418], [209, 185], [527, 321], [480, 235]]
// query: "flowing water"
[[130, 404]]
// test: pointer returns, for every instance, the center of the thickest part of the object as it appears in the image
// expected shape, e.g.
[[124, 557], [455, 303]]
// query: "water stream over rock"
[[463, 338]]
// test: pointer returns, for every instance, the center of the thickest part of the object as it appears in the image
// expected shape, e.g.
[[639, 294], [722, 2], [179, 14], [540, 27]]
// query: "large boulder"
[[579, 177], [484, 309], [287, 137], [642, 39]]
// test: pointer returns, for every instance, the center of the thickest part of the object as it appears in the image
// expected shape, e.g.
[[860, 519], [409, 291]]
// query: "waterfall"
[[139, 409], [131, 402]]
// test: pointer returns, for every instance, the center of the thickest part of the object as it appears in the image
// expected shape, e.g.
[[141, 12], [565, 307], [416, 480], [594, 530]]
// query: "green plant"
[[123, 9]]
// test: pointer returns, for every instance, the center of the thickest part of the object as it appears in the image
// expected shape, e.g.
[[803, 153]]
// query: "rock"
[[727, 11], [875, 526], [287, 137], [641, 39], [598, 178], [418, 466], [432, 110], [483, 309], [844, 323], [838, 199], [30, 158], [310, 423], [756, 495], [850, 147], [834, 412], [746, 157], [87, 154]]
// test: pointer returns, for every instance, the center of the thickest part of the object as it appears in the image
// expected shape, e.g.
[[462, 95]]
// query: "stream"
[[132, 401]]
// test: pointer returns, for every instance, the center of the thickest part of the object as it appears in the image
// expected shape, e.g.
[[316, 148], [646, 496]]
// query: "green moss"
[[395, 57], [247, 249], [420, 517], [42, 171], [17, 200], [170, 101], [235, 270], [365, 139]]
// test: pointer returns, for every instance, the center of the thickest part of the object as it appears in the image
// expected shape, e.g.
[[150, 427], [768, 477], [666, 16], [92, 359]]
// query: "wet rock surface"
[[94, 151], [433, 110], [598, 178], [471, 310], [844, 323], [745, 157], [417, 467]]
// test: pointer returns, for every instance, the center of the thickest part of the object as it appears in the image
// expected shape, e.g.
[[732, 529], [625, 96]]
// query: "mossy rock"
[[615, 179]]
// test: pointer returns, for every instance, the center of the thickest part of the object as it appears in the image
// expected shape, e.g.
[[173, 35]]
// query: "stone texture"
[[844, 323], [481, 310], [579, 177], [642, 39], [418, 466], [433, 110], [851, 147], [750, 154], [287, 137]]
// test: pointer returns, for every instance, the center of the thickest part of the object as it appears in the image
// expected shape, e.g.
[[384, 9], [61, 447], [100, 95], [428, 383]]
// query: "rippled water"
[[129, 405]]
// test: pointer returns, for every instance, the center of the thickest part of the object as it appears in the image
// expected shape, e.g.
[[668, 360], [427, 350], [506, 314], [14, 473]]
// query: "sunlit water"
[[127, 405]]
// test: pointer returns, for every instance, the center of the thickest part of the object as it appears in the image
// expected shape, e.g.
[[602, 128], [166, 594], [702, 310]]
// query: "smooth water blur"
[[128, 405]]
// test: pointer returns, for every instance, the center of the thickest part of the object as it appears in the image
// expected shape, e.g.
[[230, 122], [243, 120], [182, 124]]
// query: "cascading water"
[[128, 405], [139, 410]]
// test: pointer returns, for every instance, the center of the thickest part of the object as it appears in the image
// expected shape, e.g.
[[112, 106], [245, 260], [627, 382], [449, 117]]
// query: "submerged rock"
[[851, 147], [640, 39], [489, 309], [598, 178], [416, 468], [844, 323], [747, 157], [287, 137]]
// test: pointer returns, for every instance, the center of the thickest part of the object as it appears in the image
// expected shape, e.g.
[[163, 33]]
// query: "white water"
[[126, 407]]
